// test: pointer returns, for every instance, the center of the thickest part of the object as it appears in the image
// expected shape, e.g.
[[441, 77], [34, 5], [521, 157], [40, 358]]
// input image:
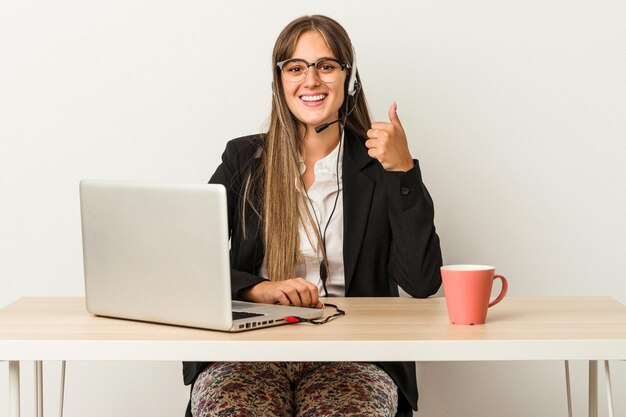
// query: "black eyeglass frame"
[[308, 65]]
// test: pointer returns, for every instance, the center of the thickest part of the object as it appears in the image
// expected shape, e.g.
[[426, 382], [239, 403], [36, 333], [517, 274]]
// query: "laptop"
[[160, 253]]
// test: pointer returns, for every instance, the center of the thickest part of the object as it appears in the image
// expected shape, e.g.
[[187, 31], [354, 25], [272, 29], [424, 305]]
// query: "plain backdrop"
[[516, 110]]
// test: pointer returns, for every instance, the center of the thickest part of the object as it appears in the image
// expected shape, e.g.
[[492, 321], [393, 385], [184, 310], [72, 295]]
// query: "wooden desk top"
[[374, 329]]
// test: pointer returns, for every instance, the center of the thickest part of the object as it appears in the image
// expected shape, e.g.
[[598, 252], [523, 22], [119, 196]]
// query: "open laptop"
[[160, 253]]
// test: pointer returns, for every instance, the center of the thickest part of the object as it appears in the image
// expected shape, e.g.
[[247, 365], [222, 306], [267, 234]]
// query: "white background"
[[516, 110]]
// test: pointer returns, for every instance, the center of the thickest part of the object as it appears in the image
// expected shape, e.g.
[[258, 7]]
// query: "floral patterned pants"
[[300, 389]]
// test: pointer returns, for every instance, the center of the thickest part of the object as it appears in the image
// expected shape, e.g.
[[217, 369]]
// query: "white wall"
[[516, 110]]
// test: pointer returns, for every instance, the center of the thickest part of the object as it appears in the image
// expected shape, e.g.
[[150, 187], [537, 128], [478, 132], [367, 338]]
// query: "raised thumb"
[[393, 114]]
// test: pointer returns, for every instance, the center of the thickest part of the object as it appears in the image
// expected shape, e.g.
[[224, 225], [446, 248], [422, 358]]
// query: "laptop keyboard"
[[238, 315]]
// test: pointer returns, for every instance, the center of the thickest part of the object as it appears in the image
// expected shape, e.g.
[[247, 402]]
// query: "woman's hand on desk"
[[296, 292]]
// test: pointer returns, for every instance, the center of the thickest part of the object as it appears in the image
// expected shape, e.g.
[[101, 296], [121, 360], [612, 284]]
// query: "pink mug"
[[468, 289]]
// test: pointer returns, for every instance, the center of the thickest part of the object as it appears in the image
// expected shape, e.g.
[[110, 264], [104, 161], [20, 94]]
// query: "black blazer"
[[389, 238]]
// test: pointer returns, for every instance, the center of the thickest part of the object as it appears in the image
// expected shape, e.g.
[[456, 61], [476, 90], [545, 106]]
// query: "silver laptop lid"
[[157, 252]]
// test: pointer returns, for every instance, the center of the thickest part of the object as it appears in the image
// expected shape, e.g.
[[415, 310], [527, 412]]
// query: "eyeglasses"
[[295, 70]]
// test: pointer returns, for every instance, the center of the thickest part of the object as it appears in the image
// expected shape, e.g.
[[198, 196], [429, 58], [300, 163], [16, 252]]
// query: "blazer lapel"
[[358, 190]]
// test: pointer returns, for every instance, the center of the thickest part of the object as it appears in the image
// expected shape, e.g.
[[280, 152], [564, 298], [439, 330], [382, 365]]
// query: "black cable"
[[338, 313]]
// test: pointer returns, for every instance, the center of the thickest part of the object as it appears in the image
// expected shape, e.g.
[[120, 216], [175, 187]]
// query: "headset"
[[353, 89]]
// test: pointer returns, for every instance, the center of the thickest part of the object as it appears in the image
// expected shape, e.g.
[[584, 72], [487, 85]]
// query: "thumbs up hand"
[[387, 143]]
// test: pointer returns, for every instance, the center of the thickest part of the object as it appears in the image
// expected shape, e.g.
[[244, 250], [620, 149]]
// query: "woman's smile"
[[313, 100]]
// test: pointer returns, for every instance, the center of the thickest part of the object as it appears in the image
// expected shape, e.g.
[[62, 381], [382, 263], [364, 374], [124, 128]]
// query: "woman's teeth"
[[313, 98]]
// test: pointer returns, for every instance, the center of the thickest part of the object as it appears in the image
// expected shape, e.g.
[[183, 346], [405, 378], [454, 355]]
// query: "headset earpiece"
[[353, 84]]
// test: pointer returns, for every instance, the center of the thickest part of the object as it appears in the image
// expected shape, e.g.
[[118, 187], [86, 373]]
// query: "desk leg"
[[569, 390], [593, 388], [609, 389], [14, 389], [39, 388], [62, 395]]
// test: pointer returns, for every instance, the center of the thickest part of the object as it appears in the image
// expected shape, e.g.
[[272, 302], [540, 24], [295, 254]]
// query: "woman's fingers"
[[304, 292]]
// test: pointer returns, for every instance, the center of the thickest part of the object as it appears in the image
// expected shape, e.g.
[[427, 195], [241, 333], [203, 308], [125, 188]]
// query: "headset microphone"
[[353, 89], [323, 127]]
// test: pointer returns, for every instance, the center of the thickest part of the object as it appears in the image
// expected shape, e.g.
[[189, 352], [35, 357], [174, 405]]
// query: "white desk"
[[374, 329]]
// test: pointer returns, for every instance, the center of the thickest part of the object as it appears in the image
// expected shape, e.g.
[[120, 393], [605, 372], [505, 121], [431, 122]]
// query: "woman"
[[337, 211]]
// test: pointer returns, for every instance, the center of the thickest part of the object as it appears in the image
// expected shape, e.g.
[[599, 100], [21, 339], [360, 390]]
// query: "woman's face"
[[312, 101]]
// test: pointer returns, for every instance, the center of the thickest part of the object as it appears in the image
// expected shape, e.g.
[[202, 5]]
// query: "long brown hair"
[[283, 206]]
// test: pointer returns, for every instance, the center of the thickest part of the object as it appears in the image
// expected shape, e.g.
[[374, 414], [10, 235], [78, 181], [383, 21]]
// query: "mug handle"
[[505, 287]]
